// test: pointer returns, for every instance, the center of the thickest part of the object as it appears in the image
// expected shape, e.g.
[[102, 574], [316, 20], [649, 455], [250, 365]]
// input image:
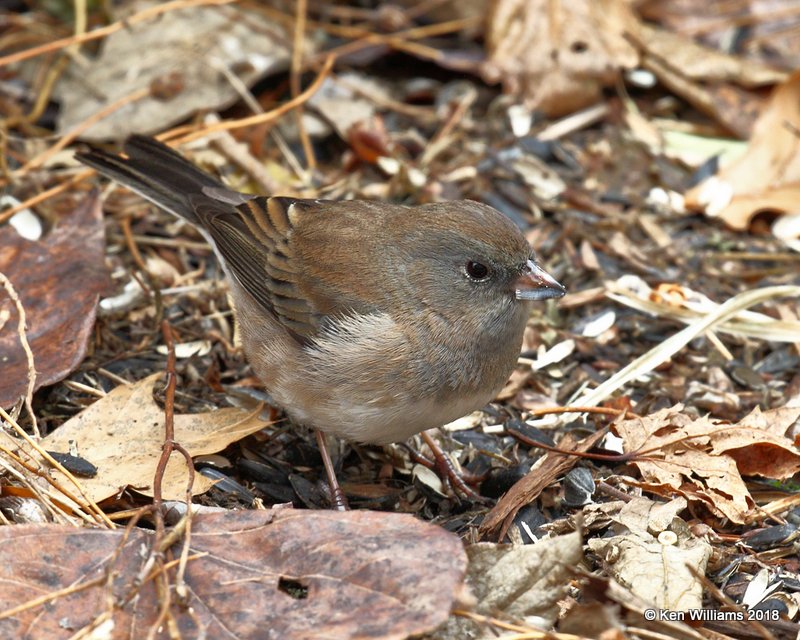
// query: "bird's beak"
[[536, 284]]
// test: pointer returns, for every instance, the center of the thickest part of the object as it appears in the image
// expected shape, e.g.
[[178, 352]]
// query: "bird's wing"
[[252, 235], [254, 240]]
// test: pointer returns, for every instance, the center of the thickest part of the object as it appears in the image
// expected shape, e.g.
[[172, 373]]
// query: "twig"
[[546, 469], [237, 84], [521, 632], [76, 131], [49, 597], [45, 195], [446, 468], [574, 122], [161, 540], [185, 526], [150, 12], [42, 97], [426, 6], [363, 37], [100, 516], [410, 110], [238, 153], [260, 118], [401, 40], [169, 430], [156, 558], [152, 285], [23, 338], [441, 140], [80, 22], [294, 79], [412, 48], [192, 135], [45, 499], [606, 411]]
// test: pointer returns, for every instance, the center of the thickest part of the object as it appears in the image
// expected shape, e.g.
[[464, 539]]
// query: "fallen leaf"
[[701, 63], [520, 581], [724, 86], [735, 108], [524, 580], [759, 445], [341, 103], [193, 53], [122, 434], [661, 569], [557, 56], [293, 575], [592, 620], [771, 26], [59, 280], [703, 459], [767, 175]]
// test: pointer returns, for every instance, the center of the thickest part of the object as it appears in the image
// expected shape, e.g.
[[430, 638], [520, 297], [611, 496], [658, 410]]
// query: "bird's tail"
[[157, 173]]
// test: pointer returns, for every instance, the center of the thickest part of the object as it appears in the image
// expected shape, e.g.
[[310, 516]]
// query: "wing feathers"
[[252, 235]]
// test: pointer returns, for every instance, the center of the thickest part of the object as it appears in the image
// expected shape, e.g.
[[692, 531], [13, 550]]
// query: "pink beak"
[[536, 284]]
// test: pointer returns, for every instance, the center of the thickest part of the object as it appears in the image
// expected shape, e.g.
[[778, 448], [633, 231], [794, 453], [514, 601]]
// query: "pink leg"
[[338, 499], [446, 468]]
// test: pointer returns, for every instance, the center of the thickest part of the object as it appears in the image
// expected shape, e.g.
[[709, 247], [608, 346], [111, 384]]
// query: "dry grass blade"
[[23, 338], [90, 506], [259, 118], [671, 346], [745, 324]]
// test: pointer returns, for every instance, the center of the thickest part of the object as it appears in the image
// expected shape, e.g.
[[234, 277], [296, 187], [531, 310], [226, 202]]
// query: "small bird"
[[366, 320]]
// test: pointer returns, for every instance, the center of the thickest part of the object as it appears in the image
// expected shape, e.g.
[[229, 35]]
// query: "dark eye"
[[477, 270]]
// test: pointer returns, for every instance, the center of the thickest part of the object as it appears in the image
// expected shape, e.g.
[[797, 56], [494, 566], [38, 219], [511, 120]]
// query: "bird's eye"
[[476, 270]]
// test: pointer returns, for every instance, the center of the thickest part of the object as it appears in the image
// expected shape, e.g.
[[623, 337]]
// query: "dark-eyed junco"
[[367, 320]]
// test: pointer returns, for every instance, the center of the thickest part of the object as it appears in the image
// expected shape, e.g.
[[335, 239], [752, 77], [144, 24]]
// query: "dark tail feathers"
[[155, 172]]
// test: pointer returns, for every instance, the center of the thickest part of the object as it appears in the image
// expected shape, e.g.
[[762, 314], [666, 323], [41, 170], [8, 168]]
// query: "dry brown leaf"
[[662, 570], [703, 64], [122, 434], [703, 459], [642, 515], [767, 176], [656, 572], [759, 445], [557, 55], [734, 107], [722, 85], [741, 209], [520, 581], [59, 280], [524, 580], [293, 575], [196, 58], [771, 26]]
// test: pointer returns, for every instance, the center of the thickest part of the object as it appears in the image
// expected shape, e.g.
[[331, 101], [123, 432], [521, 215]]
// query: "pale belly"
[[381, 422]]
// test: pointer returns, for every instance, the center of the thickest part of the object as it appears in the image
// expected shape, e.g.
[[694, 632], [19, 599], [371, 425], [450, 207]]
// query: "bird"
[[363, 319]]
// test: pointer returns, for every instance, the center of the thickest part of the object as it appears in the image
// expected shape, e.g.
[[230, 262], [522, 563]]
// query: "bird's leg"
[[338, 499], [446, 469]]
